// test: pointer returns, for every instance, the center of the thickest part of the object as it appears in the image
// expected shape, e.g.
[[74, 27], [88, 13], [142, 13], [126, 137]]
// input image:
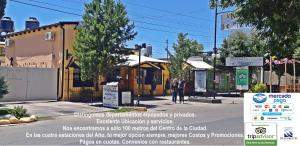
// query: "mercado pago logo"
[[272, 107], [260, 134], [276, 98], [259, 98]]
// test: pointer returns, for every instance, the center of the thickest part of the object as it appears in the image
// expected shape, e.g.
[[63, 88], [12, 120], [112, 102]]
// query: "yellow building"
[[2, 52], [51, 46], [154, 73]]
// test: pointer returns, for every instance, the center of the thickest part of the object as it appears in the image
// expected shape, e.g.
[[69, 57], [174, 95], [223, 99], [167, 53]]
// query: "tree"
[[278, 21], [241, 44], [184, 48], [3, 87], [2, 8], [101, 37]]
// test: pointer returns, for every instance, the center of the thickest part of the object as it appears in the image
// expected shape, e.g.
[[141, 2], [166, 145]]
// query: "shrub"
[[19, 112], [5, 111], [259, 88], [3, 87]]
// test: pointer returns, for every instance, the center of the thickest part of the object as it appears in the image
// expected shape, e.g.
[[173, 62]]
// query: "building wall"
[[30, 49]]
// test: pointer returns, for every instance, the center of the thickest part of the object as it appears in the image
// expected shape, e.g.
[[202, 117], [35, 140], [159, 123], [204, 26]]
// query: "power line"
[[197, 35], [51, 4], [133, 19], [70, 13], [166, 26], [81, 15], [159, 18], [170, 12], [168, 20]]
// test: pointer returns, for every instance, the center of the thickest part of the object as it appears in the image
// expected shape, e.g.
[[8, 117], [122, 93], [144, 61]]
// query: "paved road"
[[223, 123]]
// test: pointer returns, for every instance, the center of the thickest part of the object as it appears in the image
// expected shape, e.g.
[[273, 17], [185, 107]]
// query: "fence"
[[29, 84]]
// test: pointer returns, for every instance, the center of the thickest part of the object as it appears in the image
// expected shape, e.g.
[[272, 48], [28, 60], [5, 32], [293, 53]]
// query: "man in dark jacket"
[[181, 86]]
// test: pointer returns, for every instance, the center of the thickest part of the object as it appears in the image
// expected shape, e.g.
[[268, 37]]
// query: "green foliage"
[[5, 111], [3, 87], [278, 21], [259, 88], [102, 37], [184, 48], [241, 44], [122, 110], [19, 112], [2, 7]]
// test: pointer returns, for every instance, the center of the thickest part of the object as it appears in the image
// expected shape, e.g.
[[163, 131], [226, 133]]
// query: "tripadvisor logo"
[[261, 134]]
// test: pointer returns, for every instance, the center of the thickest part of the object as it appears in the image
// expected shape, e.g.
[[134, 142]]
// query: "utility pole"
[[138, 47], [167, 48], [215, 48], [270, 76]]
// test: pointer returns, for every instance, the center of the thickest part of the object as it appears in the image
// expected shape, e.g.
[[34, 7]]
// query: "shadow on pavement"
[[150, 98], [148, 106]]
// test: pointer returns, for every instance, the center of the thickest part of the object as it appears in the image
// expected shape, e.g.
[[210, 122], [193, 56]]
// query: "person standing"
[[181, 86], [174, 88]]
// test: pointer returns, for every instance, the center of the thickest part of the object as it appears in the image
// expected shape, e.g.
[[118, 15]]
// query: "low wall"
[[29, 84]]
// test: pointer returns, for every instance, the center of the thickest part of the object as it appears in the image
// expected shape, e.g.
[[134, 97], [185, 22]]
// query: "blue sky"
[[155, 20]]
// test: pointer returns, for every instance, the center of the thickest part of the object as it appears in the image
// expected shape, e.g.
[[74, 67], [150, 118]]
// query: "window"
[[77, 82], [151, 75]]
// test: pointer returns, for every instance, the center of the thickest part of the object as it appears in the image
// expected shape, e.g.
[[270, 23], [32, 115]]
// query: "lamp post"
[[139, 47], [215, 48]]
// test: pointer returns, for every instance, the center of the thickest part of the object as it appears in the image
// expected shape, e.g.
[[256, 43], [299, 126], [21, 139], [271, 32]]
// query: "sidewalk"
[[57, 108], [164, 103], [158, 103]]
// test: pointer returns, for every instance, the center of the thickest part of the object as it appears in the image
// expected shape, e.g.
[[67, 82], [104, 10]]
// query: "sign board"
[[126, 97], [200, 80], [242, 78], [111, 95], [244, 61], [272, 118], [260, 134], [228, 21]]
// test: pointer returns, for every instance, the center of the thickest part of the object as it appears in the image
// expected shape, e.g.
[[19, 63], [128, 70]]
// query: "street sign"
[[228, 21], [242, 78], [244, 61]]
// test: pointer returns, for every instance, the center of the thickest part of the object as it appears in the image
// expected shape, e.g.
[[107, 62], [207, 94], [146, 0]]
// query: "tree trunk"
[[97, 83], [279, 77]]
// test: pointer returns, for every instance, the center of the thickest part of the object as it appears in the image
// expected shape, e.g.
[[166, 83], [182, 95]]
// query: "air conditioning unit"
[[49, 36], [9, 42]]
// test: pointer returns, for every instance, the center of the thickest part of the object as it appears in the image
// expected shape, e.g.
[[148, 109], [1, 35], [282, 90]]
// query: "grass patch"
[[5, 111], [18, 112], [122, 110]]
